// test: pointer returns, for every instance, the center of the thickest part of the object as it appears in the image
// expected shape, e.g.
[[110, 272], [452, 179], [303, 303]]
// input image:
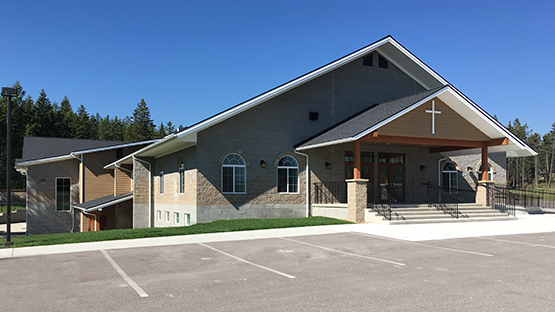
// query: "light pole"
[[9, 93]]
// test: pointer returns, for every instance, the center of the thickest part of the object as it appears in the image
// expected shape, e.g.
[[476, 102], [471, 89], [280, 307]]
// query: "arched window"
[[181, 166], [234, 174], [450, 178], [490, 173], [288, 175], [161, 178]]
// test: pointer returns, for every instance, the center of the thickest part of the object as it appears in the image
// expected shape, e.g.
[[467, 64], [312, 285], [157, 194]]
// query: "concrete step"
[[422, 213], [450, 220]]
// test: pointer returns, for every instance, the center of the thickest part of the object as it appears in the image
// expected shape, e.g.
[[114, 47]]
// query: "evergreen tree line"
[[45, 118], [537, 170]]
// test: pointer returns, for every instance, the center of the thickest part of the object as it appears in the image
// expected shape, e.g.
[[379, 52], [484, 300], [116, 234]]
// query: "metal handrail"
[[330, 192], [383, 208], [499, 198], [448, 208]]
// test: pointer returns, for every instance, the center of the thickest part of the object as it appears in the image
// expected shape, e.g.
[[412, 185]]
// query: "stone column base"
[[482, 192], [357, 199]]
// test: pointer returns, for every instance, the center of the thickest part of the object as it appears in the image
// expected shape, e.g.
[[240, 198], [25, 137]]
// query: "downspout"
[[81, 178], [307, 171], [439, 176], [149, 189]]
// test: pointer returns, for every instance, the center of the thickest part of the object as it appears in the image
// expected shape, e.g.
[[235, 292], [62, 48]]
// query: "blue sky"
[[192, 59]]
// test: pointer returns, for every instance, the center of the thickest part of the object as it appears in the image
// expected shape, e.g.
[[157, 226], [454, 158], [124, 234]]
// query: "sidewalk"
[[525, 224]]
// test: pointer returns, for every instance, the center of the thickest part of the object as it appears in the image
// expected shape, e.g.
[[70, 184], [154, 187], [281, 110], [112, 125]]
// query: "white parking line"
[[343, 252], [129, 281], [425, 245], [248, 262], [515, 242]]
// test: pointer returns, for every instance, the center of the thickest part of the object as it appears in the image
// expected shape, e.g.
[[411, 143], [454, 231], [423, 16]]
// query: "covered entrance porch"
[[398, 151]]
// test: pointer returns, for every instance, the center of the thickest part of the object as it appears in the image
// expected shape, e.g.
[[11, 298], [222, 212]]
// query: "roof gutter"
[[81, 189]]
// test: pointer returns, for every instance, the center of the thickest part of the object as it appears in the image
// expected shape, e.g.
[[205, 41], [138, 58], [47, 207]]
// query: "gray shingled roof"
[[40, 147], [365, 119], [103, 201]]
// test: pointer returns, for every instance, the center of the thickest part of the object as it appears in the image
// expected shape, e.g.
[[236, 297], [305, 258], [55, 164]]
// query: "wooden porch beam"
[[451, 144], [373, 137], [357, 164]]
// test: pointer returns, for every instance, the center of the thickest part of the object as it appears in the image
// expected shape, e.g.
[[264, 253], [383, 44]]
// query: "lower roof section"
[[103, 202]]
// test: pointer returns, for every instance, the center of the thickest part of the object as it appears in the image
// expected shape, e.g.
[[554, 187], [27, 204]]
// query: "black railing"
[[383, 205], [442, 200], [501, 198], [526, 197], [330, 192]]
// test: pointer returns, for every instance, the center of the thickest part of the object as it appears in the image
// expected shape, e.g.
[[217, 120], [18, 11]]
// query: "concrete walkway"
[[525, 224]]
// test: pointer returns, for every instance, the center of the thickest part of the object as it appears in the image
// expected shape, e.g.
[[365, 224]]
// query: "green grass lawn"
[[212, 227], [14, 208]]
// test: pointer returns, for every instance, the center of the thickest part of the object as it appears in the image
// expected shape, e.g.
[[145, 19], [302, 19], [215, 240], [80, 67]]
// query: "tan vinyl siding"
[[97, 181], [123, 180], [449, 124]]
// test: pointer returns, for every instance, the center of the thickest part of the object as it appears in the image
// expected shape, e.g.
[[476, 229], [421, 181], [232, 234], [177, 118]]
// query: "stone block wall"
[[142, 184]]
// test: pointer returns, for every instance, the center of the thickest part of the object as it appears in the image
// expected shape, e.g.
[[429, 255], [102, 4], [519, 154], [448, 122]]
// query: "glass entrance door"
[[392, 175]]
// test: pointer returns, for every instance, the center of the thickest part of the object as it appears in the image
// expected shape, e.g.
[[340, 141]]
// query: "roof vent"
[[368, 60], [382, 62], [313, 115]]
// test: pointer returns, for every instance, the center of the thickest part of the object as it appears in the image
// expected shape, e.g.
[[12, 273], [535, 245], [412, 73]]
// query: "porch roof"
[[102, 202], [364, 126]]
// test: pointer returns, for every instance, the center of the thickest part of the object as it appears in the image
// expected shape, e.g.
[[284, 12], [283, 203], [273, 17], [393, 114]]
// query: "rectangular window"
[[227, 183], [63, 194], [240, 179], [159, 215], [187, 219], [181, 180], [167, 216], [176, 217]]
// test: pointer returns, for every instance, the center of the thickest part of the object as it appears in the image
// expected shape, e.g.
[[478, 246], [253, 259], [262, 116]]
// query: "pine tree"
[[141, 127], [83, 124]]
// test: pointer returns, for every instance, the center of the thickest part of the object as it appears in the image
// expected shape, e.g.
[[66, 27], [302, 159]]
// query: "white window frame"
[[167, 217], [234, 174], [56, 194], [159, 214], [490, 172], [181, 184], [288, 171], [452, 190], [161, 179], [176, 217], [186, 219]]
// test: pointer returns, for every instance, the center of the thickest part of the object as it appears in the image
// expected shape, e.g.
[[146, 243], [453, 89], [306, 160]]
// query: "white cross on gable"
[[433, 112]]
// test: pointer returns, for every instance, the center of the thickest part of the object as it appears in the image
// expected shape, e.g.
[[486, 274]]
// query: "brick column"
[[357, 197]]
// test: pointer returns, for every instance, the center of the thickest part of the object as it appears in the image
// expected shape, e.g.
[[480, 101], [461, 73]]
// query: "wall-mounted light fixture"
[[469, 169], [262, 163], [422, 168], [328, 165], [42, 181]]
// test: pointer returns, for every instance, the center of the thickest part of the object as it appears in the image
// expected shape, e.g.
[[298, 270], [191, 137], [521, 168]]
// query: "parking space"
[[329, 272]]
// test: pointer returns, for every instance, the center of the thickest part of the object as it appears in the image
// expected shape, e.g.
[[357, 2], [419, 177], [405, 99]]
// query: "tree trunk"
[[536, 171], [551, 166]]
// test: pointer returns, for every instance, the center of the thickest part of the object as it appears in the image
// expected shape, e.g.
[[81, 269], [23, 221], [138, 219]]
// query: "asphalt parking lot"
[[347, 271]]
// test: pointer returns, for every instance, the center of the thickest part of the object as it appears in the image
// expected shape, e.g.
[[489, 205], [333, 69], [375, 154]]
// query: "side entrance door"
[[391, 167]]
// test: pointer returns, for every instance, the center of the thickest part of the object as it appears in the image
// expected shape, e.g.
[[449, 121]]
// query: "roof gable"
[[446, 123]]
